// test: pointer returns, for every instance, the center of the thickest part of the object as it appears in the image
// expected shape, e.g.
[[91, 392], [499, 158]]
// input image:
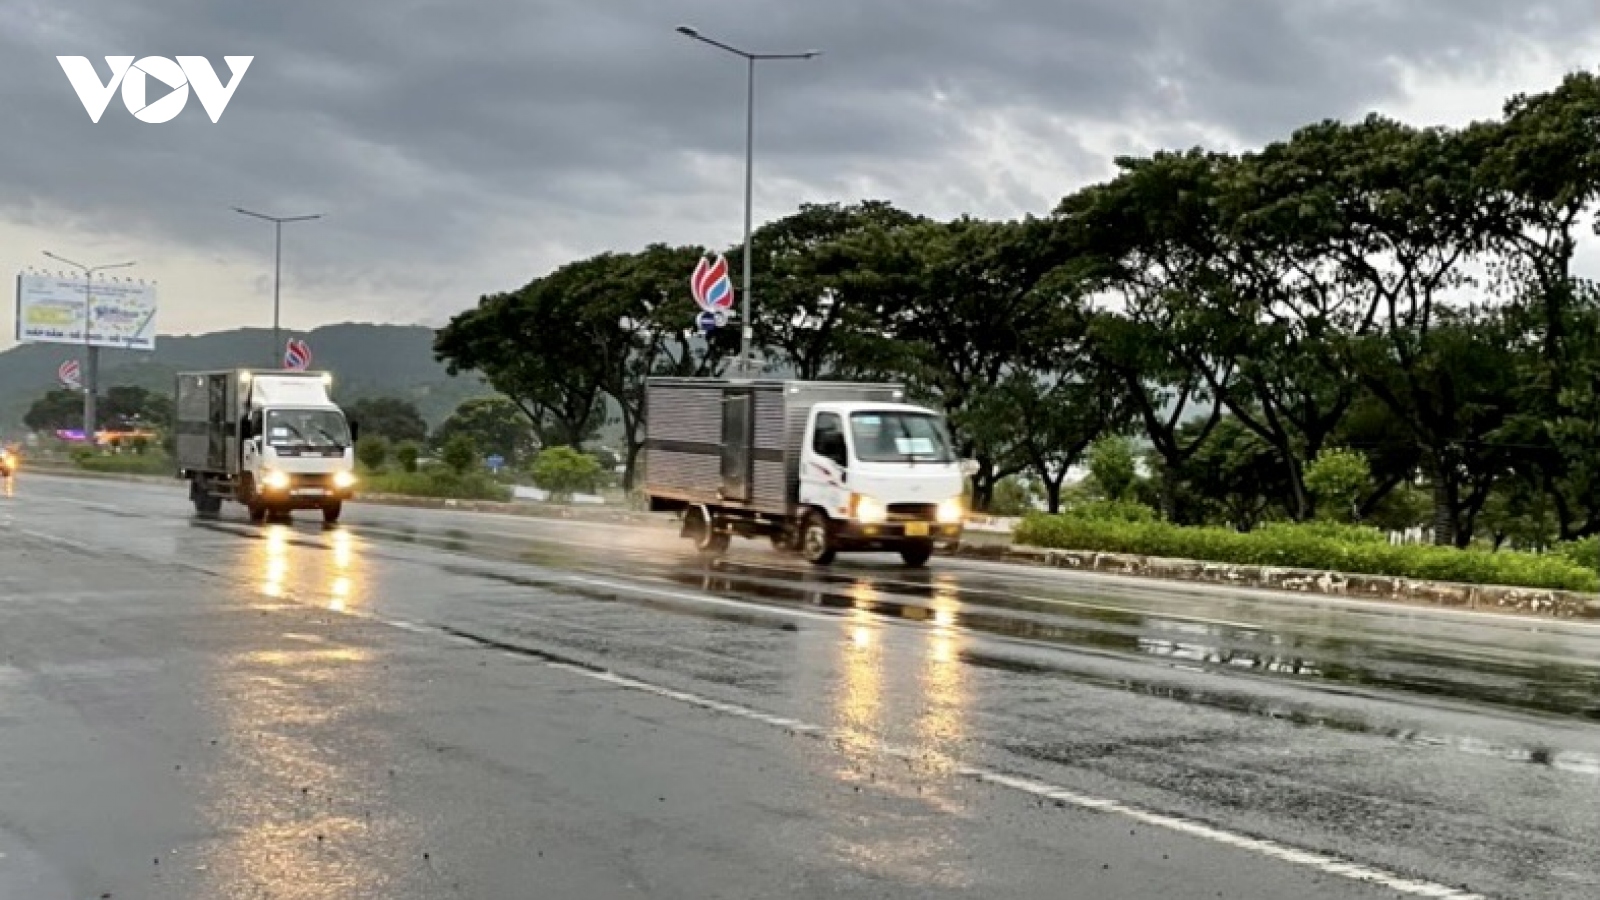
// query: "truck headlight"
[[870, 510], [950, 511], [343, 480], [275, 480]]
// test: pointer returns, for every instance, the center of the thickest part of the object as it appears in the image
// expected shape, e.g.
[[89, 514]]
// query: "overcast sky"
[[463, 147]]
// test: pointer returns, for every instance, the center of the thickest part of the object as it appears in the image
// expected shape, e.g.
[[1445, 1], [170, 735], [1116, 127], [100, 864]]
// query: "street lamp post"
[[748, 361], [91, 362], [277, 268]]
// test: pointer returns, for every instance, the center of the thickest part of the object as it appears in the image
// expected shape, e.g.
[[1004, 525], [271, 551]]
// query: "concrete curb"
[[1416, 592], [1449, 595]]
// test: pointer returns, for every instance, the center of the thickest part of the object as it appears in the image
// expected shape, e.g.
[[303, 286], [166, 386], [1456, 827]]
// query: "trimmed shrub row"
[[1116, 528], [439, 482]]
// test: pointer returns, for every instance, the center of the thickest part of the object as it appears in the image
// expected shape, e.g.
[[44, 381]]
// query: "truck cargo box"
[[733, 442], [208, 408]]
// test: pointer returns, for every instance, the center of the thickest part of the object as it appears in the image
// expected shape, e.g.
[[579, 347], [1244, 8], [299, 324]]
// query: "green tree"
[[372, 451], [1113, 467], [526, 345], [460, 453], [495, 424], [406, 453], [1235, 476], [1338, 478], [389, 417], [817, 306], [130, 406], [638, 315], [564, 471], [56, 410]]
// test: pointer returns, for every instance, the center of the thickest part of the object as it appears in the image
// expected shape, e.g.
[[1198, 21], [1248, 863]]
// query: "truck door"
[[217, 428], [737, 437]]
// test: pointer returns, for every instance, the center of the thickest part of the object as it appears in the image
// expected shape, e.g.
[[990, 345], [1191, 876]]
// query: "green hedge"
[[126, 463], [436, 482], [1318, 546]]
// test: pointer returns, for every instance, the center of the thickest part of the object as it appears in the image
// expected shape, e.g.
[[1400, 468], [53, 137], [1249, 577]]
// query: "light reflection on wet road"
[[1459, 748]]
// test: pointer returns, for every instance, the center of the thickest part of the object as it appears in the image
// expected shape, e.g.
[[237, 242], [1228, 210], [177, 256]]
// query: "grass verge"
[[1126, 528]]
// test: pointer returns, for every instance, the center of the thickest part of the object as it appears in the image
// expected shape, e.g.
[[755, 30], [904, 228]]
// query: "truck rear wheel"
[[816, 541], [698, 527], [205, 503]]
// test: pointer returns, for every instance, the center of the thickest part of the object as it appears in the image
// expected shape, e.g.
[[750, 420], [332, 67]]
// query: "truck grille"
[[913, 512]]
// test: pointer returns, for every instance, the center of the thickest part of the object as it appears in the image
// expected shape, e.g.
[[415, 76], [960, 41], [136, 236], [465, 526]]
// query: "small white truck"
[[271, 440], [817, 467]]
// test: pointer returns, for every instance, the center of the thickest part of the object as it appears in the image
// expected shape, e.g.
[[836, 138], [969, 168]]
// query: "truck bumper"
[[304, 492], [891, 535]]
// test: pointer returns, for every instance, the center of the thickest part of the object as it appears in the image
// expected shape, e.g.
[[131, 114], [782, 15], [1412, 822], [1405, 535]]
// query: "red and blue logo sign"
[[712, 287], [297, 355]]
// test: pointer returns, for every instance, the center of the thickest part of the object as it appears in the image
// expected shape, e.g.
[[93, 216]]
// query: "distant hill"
[[366, 361]]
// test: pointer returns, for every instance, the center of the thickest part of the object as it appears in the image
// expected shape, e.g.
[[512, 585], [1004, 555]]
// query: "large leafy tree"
[[527, 346], [496, 426], [393, 418], [813, 276], [638, 315]]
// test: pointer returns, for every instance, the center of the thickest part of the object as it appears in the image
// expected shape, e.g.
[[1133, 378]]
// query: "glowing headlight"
[[344, 479], [950, 511], [275, 481], [870, 510]]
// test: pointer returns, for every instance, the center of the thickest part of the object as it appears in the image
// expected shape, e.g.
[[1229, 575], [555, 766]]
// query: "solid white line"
[[1272, 849]]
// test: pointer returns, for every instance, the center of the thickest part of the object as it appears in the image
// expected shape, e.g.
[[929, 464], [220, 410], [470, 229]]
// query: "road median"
[[1420, 592], [1481, 597]]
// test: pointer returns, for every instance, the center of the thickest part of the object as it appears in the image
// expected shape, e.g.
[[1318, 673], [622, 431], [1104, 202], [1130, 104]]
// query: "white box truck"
[[271, 440], [817, 467]]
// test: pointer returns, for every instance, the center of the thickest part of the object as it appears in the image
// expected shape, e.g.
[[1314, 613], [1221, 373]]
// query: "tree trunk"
[[630, 463], [1170, 479], [983, 486], [1444, 523], [1052, 491]]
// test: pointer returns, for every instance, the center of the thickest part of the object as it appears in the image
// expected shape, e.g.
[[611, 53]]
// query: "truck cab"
[[879, 476]]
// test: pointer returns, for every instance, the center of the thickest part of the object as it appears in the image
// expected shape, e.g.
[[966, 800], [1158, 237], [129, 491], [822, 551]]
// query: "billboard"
[[50, 310]]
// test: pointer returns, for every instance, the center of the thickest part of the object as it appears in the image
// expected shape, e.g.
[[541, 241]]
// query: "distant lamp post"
[[91, 362], [748, 361], [277, 269]]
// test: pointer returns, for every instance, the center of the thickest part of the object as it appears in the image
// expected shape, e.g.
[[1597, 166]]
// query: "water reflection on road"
[[297, 776]]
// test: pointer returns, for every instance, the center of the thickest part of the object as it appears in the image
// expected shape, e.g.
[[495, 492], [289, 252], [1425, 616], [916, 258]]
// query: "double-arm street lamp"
[[91, 362], [748, 360], [277, 268]]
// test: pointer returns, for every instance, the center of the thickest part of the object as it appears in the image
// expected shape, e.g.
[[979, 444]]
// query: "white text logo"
[[188, 71]]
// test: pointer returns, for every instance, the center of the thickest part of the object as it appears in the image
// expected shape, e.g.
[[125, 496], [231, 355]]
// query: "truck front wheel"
[[917, 554], [330, 512], [816, 541]]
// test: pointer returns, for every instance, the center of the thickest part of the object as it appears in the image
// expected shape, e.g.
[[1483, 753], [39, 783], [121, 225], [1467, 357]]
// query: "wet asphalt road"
[[424, 704]]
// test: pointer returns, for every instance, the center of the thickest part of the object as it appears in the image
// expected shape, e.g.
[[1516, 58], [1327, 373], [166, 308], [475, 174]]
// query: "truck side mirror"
[[355, 432]]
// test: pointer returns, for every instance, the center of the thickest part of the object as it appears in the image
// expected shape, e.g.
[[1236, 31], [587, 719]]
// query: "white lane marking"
[[1283, 852]]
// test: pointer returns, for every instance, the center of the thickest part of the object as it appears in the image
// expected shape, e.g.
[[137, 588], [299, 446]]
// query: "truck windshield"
[[306, 428], [895, 436]]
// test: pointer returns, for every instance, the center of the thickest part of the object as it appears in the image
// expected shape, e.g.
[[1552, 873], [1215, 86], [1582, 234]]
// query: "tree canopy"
[[1258, 320]]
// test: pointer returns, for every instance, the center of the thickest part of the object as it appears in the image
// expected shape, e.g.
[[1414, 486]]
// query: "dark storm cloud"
[[422, 128]]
